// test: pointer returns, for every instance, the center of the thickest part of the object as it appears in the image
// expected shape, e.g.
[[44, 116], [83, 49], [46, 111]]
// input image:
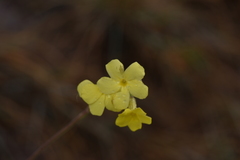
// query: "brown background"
[[190, 50]]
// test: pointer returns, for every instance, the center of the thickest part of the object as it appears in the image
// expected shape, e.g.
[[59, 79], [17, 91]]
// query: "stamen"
[[123, 82]]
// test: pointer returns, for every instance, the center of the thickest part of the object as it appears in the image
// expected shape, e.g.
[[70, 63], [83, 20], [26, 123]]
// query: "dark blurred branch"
[[59, 134]]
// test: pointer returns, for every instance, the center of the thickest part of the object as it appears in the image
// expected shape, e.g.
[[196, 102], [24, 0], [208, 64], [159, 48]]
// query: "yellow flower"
[[96, 100], [133, 118], [123, 83]]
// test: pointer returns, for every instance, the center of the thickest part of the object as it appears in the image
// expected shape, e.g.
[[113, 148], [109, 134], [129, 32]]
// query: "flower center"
[[123, 82], [133, 115]]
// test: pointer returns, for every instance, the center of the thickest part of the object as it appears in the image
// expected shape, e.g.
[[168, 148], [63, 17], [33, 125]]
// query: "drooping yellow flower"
[[123, 83], [133, 118]]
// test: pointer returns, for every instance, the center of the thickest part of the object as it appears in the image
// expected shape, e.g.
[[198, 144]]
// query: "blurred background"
[[190, 50]]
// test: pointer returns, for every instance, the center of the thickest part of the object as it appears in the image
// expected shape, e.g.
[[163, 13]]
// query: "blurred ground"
[[189, 48]]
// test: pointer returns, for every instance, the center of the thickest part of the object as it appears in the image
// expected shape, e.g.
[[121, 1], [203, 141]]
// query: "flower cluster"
[[117, 93]]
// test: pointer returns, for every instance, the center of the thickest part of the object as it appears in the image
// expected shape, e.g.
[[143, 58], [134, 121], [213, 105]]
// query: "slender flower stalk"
[[116, 93], [58, 134]]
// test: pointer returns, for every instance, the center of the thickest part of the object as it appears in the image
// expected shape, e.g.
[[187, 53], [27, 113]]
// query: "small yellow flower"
[[133, 118], [123, 83], [117, 93], [96, 100]]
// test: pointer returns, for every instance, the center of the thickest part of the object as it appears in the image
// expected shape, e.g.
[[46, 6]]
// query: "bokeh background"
[[190, 50]]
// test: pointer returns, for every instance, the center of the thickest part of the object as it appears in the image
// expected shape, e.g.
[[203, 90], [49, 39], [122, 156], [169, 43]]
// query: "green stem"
[[58, 134]]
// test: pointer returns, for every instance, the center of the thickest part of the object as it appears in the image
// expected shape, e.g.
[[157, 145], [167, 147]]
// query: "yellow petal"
[[134, 124], [97, 107], [137, 89], [123, 119], [88, 91], [145, 119], [109, 103], [115, 69], [126, 112], [121, 99], [142, 116], [107, 85], [134, 71], [139, 111], [120, 121], [82, 84]]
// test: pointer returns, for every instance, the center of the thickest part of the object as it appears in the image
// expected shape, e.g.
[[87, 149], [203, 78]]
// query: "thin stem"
[[58, 134]]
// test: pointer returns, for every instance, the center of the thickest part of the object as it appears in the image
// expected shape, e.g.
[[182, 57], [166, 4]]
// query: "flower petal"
[[134, 124], [82, 84], [124, 118], [145, 119], [115, 69], [97, 107], [121, 99], [138, 89], [109, 103], [134, 71], [107, 85], [88, 91], [142, 116], [122, 121], [139, 111]]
